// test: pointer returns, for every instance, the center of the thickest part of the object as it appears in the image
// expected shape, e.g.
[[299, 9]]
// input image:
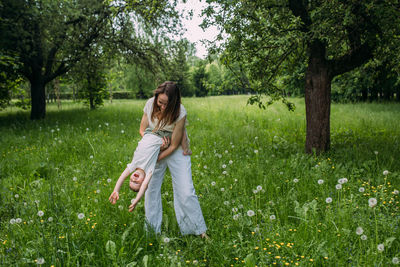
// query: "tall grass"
[[264, 200]]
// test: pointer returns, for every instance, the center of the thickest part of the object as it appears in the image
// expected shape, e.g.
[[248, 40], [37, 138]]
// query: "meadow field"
[[265, 202]]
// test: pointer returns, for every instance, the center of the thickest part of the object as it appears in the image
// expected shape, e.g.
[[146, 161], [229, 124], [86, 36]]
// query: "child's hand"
[[113, 197], [132, 206]]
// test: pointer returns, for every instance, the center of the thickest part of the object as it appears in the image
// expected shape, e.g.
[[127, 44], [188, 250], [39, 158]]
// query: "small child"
[[143, 163]]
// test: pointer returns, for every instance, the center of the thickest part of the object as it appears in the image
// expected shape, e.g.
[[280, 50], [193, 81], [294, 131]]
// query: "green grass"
[[236, 148]]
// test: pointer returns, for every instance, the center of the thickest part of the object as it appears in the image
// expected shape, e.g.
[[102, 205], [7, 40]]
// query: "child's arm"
[[115, 194], [185, 144], [141, 192]]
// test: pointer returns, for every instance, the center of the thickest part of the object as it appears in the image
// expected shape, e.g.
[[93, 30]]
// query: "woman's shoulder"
[[149, 104]]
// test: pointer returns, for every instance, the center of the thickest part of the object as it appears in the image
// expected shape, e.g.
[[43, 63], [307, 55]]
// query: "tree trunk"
[[318, 102], [38, 97]]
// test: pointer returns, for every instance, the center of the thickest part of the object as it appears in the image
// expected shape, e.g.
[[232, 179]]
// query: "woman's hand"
[[113, 197], [166, 143]]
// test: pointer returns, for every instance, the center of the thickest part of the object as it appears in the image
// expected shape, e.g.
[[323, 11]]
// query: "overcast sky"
[[194, 33]]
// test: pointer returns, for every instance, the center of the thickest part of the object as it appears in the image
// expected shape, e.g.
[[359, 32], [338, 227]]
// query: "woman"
[[164, 111]]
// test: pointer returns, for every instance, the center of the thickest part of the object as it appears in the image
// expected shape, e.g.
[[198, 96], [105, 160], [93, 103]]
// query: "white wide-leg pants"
[[187, 208]]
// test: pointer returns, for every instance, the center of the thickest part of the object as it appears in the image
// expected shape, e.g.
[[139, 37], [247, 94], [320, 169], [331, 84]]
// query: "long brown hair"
[[173, 109]]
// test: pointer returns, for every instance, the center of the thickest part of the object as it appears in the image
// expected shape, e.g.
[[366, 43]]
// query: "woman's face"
[[162, 101]]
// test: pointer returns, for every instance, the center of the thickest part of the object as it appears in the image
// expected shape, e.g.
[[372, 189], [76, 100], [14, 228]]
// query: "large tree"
[[331, 37], [49, 37]]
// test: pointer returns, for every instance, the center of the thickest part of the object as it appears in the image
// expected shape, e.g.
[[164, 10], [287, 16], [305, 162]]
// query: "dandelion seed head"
[[236, 216], [213, 183], [376, 152], [98, 191], [320, 181], [295, 180], [372, 202], [396, 192], [364, 237], [18, 220], [395, 260], [16, 196], [205, 166], [231, 161], [250, 213], [224, 172], [122, 131], [50, 219], [259, 187], [120, 207], [234, 209], [166, 240], [223, 166], [255, 191], [75, 179], [338, 186], [272, 217], [12, 221], [361, 189], [40, 261], [81, 216], [255, 151], [108, 180], [226, 203], [222, 189], [40, 213], [328, 200], [359, 231], [385, 172], [381, 247]]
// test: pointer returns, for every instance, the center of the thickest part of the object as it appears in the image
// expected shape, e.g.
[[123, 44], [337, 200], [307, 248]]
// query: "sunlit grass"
[[265, 202]]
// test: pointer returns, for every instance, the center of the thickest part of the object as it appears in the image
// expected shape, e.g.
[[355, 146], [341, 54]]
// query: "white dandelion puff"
[[122, 131], [108, 180], [236, 216], [98, 191], [272, 217], [295, 180], [364, 237], [255, 191], [91, 156], [205, 166], [81, 216], [259, 187], [222, 189], [231, 161], [40, 261], [226, 203], [376, 152], [12, 221], [213, 183], [328, 200], [338, 186], [250, 213], [120, 207], [224, 172], [50, 219], [166, 240], [385, 172], [223, 166], [16, 196], [18, 220], [372, 202], [342, 180], [235, 209], [320, 181], [396, 192], [361, 189], [74, 179], [359, 231], [381, 247], [40, 213], [255, 151], [395, 260]]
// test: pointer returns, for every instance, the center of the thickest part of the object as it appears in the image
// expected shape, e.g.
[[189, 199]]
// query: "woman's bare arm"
[[143, 124], [176, 139]]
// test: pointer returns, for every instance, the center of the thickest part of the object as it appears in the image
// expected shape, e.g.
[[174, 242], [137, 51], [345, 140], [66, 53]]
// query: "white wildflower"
[[222, 189], [50, 219], [12, 221], [226, 203], [98, 191], [272, 217], [213, 183], [205, 166], [234, 209], [328, 200], [338, 186], [74, 179], [395, 260], [18, 220], [381, 247], [108, 180], [376, 152], [259, 187], [16, 196], [166, 240], [361, 189], [255, 151], [295, 180], [40, 213], [364, 237], [230, 162], [320, 181], [236, 216], [386, 172], [223, 166], [396, 192], [224, 172], [122, 131], [81, 216], [255, 191]]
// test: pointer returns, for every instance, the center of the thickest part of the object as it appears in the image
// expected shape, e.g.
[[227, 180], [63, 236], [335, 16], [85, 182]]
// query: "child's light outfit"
[[146, 153], [187, 208]]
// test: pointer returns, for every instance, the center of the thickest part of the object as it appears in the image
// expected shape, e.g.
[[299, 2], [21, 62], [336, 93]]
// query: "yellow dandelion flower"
[[302, 256], [265, 248], [325, 258], [296, 263], [234, 246], [4, 242], [287, 263], [150, 244], [277, 257], [311, 260], [256, 248], [237, 259]]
